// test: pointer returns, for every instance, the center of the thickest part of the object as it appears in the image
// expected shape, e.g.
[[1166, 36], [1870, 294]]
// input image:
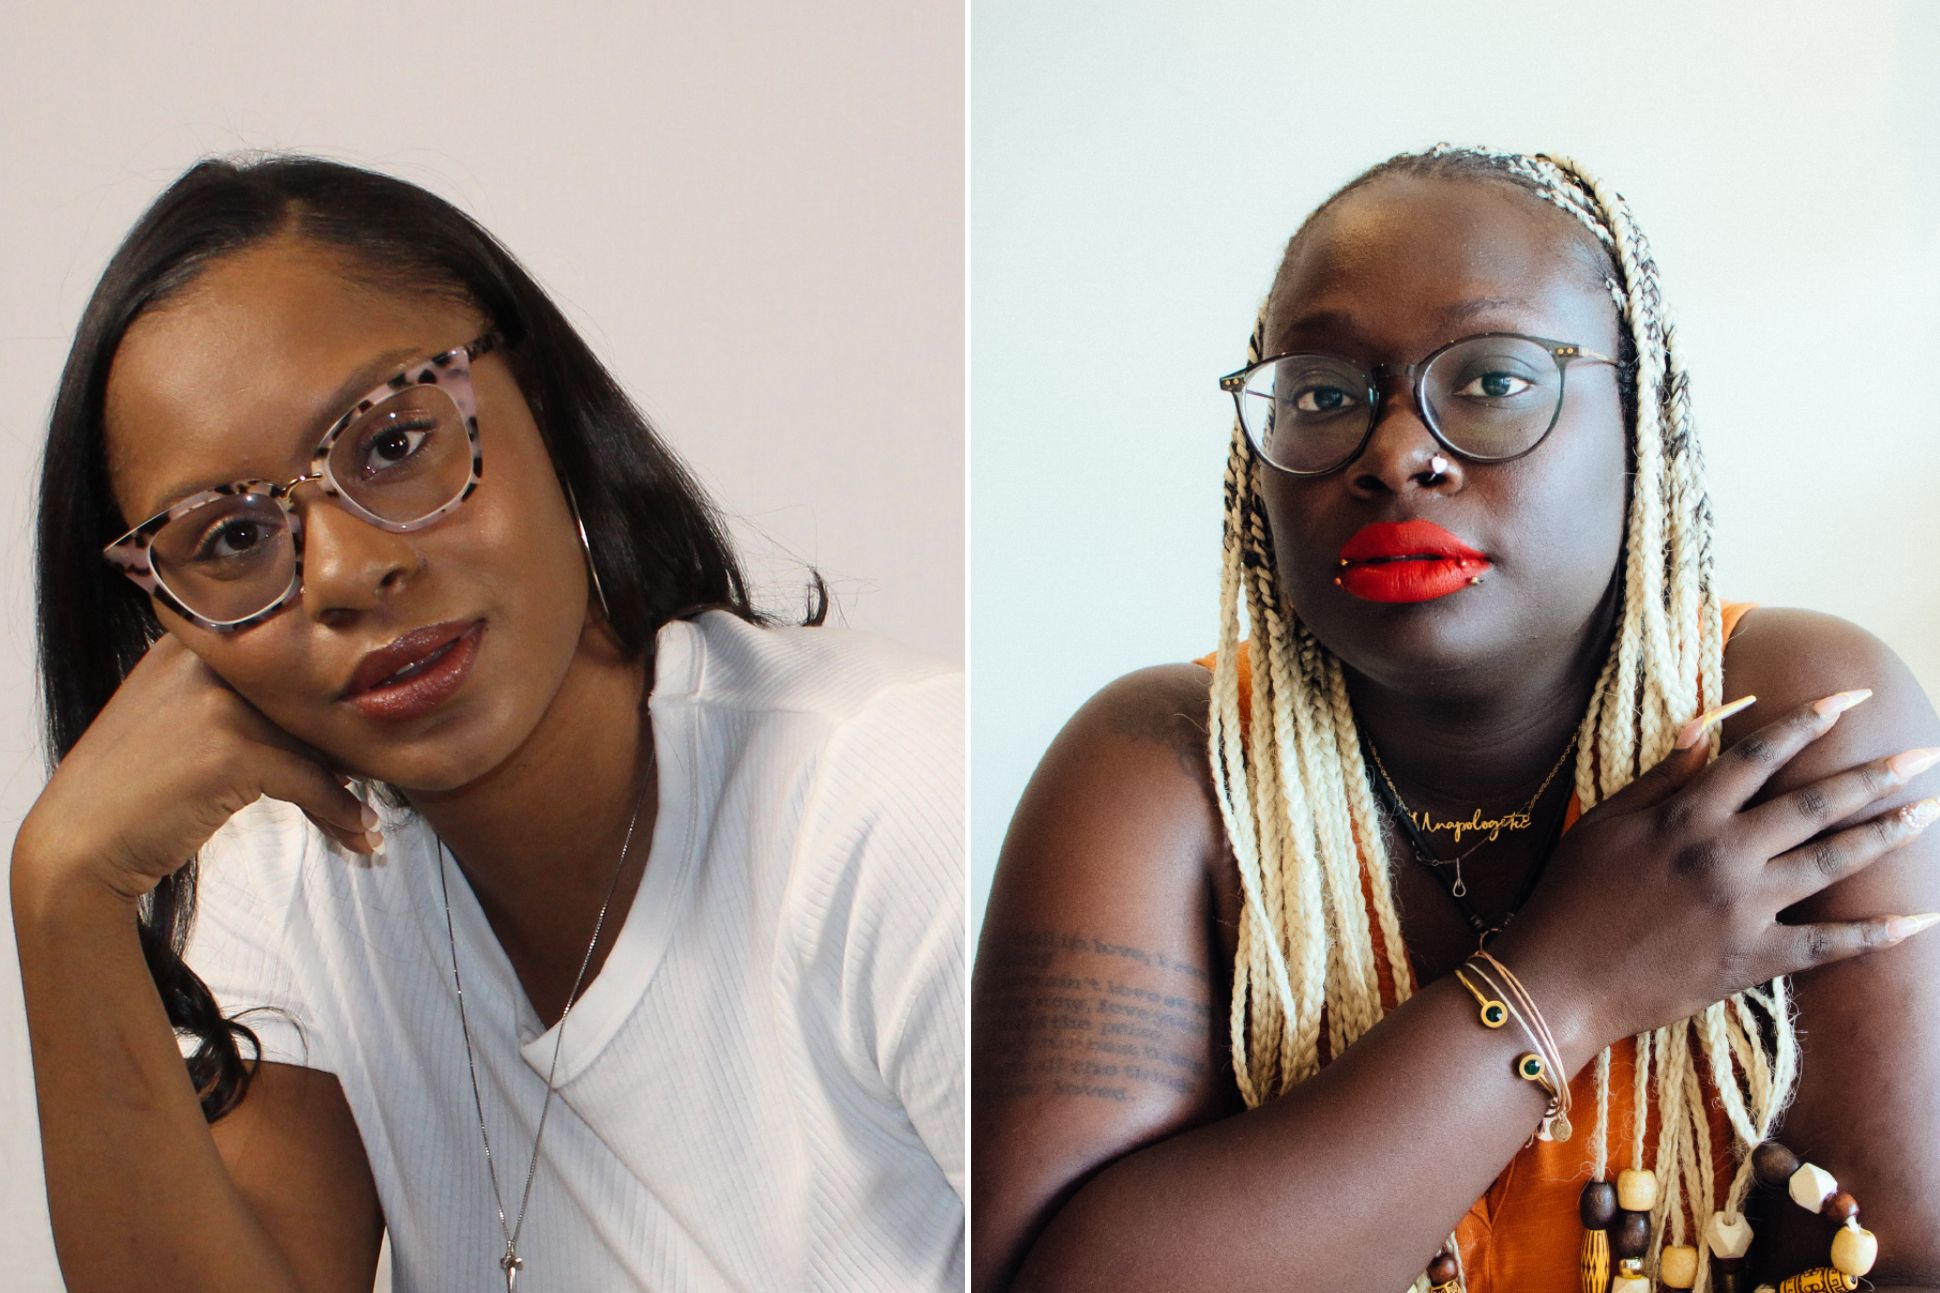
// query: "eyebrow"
[[1453, 316], [365, 378]]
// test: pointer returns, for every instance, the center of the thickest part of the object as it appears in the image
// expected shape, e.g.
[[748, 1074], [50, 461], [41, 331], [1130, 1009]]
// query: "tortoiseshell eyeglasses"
[[399, 458]]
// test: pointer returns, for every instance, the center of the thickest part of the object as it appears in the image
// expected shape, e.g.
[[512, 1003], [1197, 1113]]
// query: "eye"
[[234, 538], [1494, 386], [1321, 399], [396, 441]]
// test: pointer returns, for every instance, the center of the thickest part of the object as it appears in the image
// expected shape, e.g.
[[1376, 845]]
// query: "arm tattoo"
[[1070, 1015]]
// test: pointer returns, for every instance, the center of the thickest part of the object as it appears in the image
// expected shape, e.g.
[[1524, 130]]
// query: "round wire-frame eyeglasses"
[[1347, 439]]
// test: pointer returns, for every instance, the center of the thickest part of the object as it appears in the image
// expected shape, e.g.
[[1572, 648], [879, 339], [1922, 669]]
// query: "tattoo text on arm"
[[1080, 1017]]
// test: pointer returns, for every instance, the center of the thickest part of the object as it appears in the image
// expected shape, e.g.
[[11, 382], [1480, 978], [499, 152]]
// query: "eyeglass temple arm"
[[1577, 352]]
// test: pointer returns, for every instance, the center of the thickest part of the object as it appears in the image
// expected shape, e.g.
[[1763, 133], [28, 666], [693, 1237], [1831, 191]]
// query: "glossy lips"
[[1407, 561], [417, 673]]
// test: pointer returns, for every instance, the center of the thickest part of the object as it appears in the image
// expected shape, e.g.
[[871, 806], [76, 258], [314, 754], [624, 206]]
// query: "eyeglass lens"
[[1489, 397], [400, 461]]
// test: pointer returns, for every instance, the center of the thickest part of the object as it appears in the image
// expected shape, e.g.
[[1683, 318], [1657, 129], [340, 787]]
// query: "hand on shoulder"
[[1789, 657], [1869, 1027]]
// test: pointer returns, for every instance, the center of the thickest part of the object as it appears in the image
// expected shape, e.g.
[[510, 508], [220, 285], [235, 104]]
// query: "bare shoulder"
[[1785, 655], [1099, 1000], [1789, 657], [293, 1151], [1869, 1028], [1163, 708], [1126, 788]]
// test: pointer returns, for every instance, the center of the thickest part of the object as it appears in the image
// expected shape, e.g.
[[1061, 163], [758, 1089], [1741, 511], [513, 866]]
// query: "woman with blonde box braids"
[[1488, 734]]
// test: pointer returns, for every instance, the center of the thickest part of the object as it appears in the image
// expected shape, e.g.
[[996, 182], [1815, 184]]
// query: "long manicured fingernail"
[[370, 818], [1693, 732], [1920, 816], [1912, 763], [1907, 926], [1839, 702], [375, 839]]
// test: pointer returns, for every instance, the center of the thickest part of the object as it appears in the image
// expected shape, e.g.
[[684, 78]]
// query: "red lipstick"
[[1407, 561], [417, 673]]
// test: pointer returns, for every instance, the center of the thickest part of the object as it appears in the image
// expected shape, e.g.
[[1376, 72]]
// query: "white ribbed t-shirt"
[[762, 1088]]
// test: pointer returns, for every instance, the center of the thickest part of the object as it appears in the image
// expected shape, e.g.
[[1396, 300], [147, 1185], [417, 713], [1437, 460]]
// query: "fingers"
[[1807, 946], [1687, 758], [362, 841], [323, 797], [367, 838], [307, 780], [1790, 819], [1743, 769], [1824, 862], [1693, 732]]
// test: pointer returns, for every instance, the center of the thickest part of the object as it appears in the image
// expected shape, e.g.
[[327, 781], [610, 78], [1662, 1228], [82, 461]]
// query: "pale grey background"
[[753, 210], [1137, 166]]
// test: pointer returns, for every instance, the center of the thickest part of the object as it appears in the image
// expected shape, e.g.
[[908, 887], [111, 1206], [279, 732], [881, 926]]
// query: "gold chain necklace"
[[1515, 820]]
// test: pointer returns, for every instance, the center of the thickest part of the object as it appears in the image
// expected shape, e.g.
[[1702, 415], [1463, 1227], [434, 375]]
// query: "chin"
[[1396, 642], [444, 751], [433, 767]]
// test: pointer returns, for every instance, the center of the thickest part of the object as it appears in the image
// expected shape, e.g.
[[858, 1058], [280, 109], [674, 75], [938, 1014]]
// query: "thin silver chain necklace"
[[511, 1263]]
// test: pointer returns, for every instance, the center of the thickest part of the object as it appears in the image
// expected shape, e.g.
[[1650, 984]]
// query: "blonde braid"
[[1301, 816], [1646, 1044], [1352, 982], [1366, 820], [1300, 894], [1262, 987]]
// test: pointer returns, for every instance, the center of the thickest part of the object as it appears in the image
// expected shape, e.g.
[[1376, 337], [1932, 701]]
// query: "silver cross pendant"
[[511, 1264]]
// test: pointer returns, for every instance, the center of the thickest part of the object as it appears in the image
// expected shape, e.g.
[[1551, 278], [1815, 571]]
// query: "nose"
[[1401, 455], [349, 565]]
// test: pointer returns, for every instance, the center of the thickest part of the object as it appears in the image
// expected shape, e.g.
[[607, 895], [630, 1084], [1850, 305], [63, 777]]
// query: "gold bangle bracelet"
[[1494, 1013]]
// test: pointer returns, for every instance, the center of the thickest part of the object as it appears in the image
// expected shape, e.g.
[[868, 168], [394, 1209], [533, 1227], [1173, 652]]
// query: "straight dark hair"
[[659, 544]]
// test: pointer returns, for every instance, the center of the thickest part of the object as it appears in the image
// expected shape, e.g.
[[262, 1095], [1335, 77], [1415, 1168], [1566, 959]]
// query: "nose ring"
[[1438, 466]]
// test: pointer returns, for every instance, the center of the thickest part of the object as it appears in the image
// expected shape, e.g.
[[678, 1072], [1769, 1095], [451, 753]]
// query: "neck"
[[1482, 739], [539, 837]]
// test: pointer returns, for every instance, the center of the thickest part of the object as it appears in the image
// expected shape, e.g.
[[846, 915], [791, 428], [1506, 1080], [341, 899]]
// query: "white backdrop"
[[732, 199], [1137, 166]]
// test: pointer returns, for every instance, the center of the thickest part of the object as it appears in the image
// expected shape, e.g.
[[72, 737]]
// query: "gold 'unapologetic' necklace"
[[1516, 819]]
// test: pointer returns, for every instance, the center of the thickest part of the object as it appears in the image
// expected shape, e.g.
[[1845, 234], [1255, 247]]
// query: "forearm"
[[1353, 1179], [137, 1191]]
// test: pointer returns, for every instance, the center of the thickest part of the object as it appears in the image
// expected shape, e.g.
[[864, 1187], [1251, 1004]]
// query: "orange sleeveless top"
[[1524, 1233]]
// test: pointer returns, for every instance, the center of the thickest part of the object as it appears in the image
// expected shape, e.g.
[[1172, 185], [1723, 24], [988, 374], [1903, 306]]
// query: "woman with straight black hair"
[[418, 710]]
